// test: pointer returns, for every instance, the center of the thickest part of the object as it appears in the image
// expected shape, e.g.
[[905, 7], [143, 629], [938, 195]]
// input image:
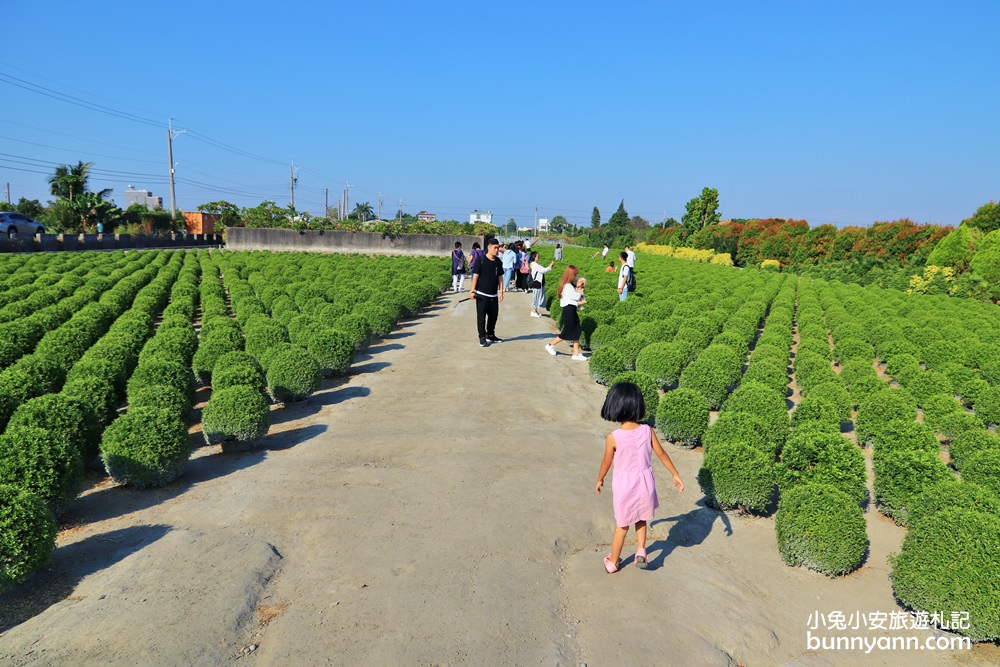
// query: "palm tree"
[[70, 181], [363, 211]]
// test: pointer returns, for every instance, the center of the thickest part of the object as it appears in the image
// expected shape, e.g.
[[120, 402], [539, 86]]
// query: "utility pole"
[[170, 157], [346, 204], [536, 221], [291, 185], [326, 202], [400, 211], [8, 192], [379, 206]]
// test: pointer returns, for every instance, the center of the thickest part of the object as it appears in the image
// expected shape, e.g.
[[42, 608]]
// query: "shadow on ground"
[[70, 565]]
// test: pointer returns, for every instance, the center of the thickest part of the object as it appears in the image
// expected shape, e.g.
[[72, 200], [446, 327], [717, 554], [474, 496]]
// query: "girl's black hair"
[[458, 244], [624, 403], [533, 256], [475, 245]]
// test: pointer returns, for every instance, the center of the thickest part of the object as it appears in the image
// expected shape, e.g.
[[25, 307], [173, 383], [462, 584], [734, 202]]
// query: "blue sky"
[[842, 113]]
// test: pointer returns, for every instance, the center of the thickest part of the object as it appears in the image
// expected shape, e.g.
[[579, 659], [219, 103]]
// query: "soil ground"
[[436, 507]]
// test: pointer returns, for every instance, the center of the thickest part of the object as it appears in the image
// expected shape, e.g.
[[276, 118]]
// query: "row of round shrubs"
[[52, 435], [149, 445]]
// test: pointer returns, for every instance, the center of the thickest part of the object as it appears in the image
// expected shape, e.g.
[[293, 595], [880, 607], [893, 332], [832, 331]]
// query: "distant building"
[[543, 224], [197, 222], [480, 216], [144, 197], [427, 217]]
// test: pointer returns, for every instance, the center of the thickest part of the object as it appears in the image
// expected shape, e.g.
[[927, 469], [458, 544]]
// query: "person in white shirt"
[[538, 273], [570, 293], [631, 257], [623, 273], [604, 252]]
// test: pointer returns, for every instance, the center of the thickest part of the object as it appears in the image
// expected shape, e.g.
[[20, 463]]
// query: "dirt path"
[[436, 507]]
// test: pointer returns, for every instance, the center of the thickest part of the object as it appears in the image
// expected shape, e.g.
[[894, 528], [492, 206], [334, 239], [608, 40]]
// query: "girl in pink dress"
[[633, 490]]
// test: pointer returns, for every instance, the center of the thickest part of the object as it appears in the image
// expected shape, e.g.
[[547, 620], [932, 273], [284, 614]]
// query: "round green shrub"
[[938, 407], [162, 371], [983, 468], [901, 434], [646, 384], [815, 409], [161, 396], [879, 408], [209, 351], [947, 564], [97, 392], [292, 374], [925, 384], [37, 460], [262, 333], [682, 417], [953, 493], [176, 343], [974, 440], [745, 427], [769, 373], [711, 374], [146, 447], [68, 419], [834, 393], [234, 374], [27, 534], [736, 475], [661, 361], [902, 367], [817, 457], [606, 363], [821, 527], [381, 316], [901, 475], [987, 405], [606, 334], [355, 326], [630, 346], [33, 375], [333, 350], [853, 348], [238, 412]]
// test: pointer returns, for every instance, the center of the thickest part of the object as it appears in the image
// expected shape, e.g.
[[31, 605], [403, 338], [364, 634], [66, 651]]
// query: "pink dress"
[[632, 487]]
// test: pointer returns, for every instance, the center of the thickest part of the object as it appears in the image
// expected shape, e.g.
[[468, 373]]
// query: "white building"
[[480, 216], [144, 197], [543, 224]]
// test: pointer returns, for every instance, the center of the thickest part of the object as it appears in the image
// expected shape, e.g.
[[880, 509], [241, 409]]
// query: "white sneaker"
[[536, 314], [551, 350], [579, 357]]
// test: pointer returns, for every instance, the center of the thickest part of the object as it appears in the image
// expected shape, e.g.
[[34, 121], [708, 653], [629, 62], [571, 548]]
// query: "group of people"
[[630, 447]]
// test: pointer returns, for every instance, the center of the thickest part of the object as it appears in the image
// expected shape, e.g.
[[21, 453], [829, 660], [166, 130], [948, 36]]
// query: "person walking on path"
[[538, 276], [623, 275], [457, 268], [475, 256], [570, 298], [633, 489], [487, 291], [558, 254], [508, 258]]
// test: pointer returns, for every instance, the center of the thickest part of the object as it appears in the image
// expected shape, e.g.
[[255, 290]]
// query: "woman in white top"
[[570, 298], [538, 273]]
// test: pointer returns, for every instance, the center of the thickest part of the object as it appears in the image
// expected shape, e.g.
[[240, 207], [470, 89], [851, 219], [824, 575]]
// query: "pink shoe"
[[640, 559], [610, 566]]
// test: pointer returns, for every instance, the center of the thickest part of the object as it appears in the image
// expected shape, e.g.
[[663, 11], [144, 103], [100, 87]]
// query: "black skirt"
[[570, 323]]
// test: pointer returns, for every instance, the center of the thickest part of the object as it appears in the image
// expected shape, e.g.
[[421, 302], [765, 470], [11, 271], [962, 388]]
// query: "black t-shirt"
[[489, 272]]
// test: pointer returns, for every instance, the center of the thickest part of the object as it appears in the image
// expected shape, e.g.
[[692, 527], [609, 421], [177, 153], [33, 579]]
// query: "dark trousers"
[[487, 309]]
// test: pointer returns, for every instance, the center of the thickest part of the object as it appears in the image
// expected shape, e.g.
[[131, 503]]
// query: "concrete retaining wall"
[[369, 243], [57, 242]]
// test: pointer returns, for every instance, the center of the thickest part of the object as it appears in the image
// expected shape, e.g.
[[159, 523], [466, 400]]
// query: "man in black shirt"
[[487, 291]]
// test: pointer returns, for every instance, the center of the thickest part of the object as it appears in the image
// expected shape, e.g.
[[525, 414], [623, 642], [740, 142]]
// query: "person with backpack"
[[626, 280], [475, 256], [523, 281], [538, 283]]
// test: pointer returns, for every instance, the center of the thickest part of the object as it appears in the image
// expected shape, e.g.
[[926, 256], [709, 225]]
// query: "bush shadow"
[[69, 566], [369, 353], [316, 402], [690, 529]]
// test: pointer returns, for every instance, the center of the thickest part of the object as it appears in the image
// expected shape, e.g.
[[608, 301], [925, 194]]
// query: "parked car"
[[13, 224]]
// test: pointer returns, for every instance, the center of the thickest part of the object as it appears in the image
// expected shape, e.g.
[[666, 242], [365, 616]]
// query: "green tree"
[[229, 214], [558, 225], [619, 219], [266, 214], [362, 211], [69, 181], [955, 250], [986, 218], [595, 218], [511, 227], [89, 208], [30, 207], [638, 222], [702, 211]]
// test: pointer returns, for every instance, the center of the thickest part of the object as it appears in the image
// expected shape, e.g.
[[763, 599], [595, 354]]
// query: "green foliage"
[[162, 371], [773, 375], [238, 412], [606, 363], [682, 416], [821, 527], [950, 563], [735, 475], [292, 375], [711, 374], [333, 349], [262, 333], [661, 361], [38, 461], [902, 434], [953, 493], [835, 394], [175, 343], [983, 468], [234, 373], [817, 457], [27, 534], [986, 218], [68, 419], [161, 396], [146, 447], [955, 250], [646, 384], [701, 211], [903, 474], [879, 408], [987, 405], [970, 442], [738, 426]]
